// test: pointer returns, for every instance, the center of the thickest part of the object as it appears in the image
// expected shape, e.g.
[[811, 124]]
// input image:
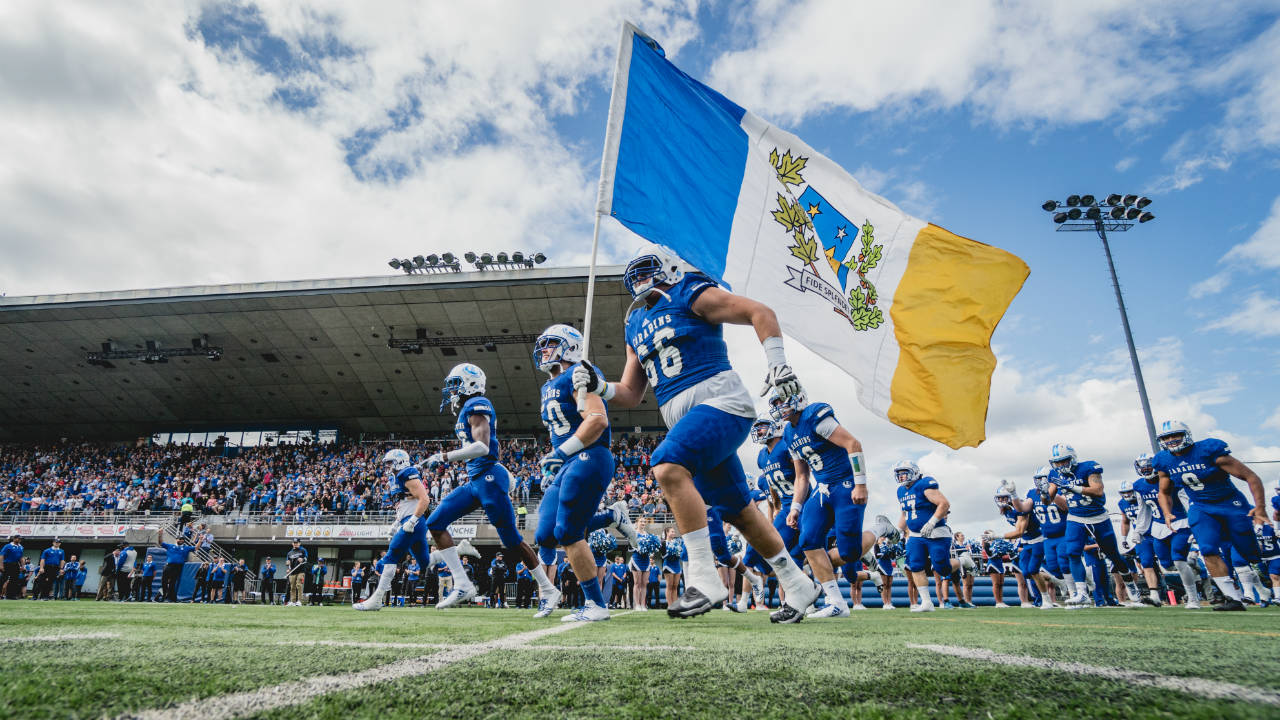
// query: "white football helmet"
[[395, 460], [764, 429], [780, 408], [463, 380], [1041, 479], [1143, 467], [558, 343], [1126, 490], [1005, 492], [906, 472], [653, 265], [1174, 436], [1062, 457]]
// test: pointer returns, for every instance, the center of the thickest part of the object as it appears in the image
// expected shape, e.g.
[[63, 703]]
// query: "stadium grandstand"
[[267, 407]]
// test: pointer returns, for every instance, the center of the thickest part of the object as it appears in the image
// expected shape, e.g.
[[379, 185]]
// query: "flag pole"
[[586, 317]]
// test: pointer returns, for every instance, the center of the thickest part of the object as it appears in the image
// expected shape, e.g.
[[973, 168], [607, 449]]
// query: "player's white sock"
[[753, 577], [435, 558], [1189, 579], [1227, 587], [790, 576], [831, 589], [1082, 589], [384, 580], [1155, 596], [702, 564], [450, 557], [1275, 591], [1249, 581], [545, 586]]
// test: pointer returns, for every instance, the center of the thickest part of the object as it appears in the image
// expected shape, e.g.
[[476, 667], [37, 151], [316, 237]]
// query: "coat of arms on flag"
[[810, 220]]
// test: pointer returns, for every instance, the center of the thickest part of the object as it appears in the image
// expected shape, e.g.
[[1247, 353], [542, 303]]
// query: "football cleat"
[[467, 549], [743, 604], [588, 613], [1192, 605], [759, 594], [831, 611], [883, 528], [373, 602], [457, 596], [786, 615], [548, 604], [692, 603], [1229, 605], [622, 522], [924, 607]]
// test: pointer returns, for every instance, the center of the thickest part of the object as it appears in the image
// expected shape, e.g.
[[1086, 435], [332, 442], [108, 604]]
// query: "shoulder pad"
[[929, 482], [479, 405], [1214, 448], [821, 410], [410, 473], [1087, 468]]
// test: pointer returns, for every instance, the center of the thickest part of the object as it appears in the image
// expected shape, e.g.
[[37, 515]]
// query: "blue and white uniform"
[[407, 542], [488, 482], [921, 551], [1268, 548], [702, 400], [1031, 555], [1218, 512], [777, 470], [1087, 519], [830, 503], [1144, 548], [567, 512], [1054, 528], [1169, 546]]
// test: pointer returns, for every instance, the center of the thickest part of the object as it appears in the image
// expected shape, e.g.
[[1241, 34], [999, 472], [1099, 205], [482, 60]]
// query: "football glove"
[[410, 523], [586, 377], [783, 378], [552, 462], [436, 460], [926, 530]]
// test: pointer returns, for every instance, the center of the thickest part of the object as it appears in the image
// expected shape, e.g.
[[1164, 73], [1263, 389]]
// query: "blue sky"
[[214, 142]]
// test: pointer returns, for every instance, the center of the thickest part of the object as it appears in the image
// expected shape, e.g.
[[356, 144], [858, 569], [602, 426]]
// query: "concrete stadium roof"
[[295, 354]]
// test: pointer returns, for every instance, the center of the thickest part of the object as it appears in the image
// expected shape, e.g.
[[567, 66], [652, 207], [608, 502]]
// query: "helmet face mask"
[[906, 472], [652, 265], [557, 344], [1003, 499], [1062, 457], [1143, 467], [763, 430], [395, 460], [781, 409]]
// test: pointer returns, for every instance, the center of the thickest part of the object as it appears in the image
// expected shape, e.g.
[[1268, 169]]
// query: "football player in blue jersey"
[[488, 482], [1275, 509], [579, 469], [924, 513], [1087, 519], [1135, 527], [1052, 516], [1020, 513], [1171, 541], [1218, 513], [778, 472], [675, 343], [410, 535], [825, 451], [1269, 551]]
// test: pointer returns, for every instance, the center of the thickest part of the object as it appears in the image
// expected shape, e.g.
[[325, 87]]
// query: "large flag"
[[906, 308]]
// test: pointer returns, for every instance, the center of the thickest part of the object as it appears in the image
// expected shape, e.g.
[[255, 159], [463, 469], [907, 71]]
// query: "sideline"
[[60, 638]]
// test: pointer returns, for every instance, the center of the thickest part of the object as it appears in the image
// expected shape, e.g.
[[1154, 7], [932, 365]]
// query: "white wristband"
[[774, 354], [859, 463], [571, 447], [609, 390]]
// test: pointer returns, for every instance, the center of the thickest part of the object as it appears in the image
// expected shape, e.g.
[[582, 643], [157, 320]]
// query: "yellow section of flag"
[[946, 307]]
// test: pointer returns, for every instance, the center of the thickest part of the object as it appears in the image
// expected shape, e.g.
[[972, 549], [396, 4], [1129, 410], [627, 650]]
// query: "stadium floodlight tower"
[[1115, 213]]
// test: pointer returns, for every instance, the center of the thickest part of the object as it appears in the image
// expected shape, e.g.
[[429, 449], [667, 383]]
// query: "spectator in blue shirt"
[[228, 580], [125, 562], [213, 590], [318, 571], [50, 567], [12, 557], [175, 557], [65, 585], [80, 578], [143, 592], [524, 586], [618, 578]]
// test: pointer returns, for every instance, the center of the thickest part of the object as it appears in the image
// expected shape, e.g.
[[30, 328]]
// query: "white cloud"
[[138, 156], [1093, 407], [1262, 249], [1258, 315], [1273, 422], [1125, 163], [1211, 285]]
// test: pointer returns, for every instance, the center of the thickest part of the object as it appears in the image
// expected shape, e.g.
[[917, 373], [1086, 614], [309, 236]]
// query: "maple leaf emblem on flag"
[[849, 250]]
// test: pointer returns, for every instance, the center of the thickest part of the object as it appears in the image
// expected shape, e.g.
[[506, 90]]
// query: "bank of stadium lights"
[[152, 353], [448, 262], [1116, 213]]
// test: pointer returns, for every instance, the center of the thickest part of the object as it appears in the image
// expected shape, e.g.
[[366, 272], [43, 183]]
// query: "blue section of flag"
[[681, 160], [833, 229]]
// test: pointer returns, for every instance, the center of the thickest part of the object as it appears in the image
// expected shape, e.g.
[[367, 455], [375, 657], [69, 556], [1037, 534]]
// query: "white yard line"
[[60, 638], [252, 702], [1212, 689], [447, 646]]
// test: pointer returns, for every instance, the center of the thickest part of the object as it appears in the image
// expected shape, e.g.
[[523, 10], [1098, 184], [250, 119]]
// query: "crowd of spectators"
[[293, 483]]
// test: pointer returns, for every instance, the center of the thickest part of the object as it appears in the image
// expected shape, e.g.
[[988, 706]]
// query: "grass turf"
[[739, 665]]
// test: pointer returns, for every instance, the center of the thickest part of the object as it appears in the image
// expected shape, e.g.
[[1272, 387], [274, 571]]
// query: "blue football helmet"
[[1062, 457], [1174, 436], [764, 429], [781, 408], [558, 343], [462, 381], [906, 472], [1143, 467], [651, 266]]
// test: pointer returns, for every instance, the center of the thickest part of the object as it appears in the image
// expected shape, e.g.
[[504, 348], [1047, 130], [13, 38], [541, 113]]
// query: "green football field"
[[94, 660]]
